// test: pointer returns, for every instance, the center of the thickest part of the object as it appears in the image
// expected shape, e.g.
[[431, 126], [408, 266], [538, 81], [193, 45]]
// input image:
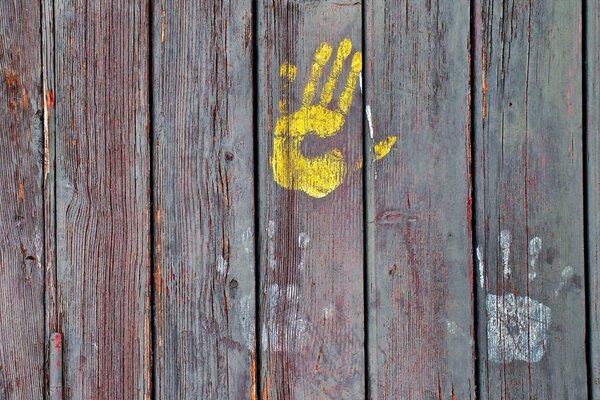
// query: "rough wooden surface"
[[592, 81], [420, 280], [528, 168], [21, 213], [102, 171], [311, 266], [204, 207]]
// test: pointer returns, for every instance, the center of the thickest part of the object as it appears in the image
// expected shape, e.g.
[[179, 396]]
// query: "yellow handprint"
[[316, 176]]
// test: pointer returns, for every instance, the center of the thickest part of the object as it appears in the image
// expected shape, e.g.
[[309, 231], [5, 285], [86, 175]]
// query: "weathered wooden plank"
[[21, 213], [311, 218], [592, 82], [102, 173], [204, 191], [420, 290], [528, 168]]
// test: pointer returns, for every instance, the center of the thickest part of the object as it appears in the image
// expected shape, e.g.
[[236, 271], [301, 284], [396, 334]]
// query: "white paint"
[[287, 330], [327, 311], [566, 274], [517, 328], [455, 330], [481, 267], [303, 241], [221, 265], [247, 320], [271, 247], [369, 120], [535, 247], [360, 81], [505, 240], [247, 240]]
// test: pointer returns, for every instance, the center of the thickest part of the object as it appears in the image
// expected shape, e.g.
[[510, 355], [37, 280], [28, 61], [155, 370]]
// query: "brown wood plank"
[[592, 81], [204, 199], [102, 171], [420, 288], [528, 168], [22, 212], [311, 218]]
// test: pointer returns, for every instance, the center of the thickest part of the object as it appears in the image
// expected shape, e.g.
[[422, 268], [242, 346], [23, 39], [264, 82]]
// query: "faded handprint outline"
[[517, 326], [316, 176]]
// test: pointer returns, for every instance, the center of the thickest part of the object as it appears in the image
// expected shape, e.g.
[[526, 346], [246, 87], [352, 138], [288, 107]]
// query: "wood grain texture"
[[420, 280], [592, 82], [528, 168], [311, 265], [204, 199], [102, 172], [21, 213]]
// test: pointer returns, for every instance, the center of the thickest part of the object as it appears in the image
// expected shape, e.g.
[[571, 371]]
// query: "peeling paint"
[[505, 241]]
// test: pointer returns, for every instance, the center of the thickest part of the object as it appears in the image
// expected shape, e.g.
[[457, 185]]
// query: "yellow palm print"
[[316, 176]]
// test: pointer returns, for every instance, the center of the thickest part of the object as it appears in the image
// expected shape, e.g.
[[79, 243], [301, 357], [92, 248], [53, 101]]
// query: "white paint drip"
[[303, 241], [270, 244], [535, 246], [221, 265], [369, 120], [517, 328], [247, 320], [247, 240], [505, 240], [481, 266], [566, 274]]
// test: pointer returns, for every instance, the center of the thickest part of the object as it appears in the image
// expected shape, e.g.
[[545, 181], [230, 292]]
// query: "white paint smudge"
[[286, 329], [481, 266], [457, 331], [303, 241], [270, 244], [505, 240], [360, 82], [535, 247], [247, 240], [369, 120], [566, 274], [221, 265], [327, 311], [247, 320], [517, 328]]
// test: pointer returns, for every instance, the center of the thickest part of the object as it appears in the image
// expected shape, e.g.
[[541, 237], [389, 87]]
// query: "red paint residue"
[[50, 98]]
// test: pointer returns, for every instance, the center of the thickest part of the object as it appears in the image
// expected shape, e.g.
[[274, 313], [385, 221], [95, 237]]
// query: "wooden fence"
[[300, 199]]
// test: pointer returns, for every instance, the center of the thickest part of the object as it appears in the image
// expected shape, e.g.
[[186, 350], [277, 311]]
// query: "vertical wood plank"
[[529, 233], [592, 81], [102, 173], [311, 293], [204, 191], [21, 213], [420, 289]]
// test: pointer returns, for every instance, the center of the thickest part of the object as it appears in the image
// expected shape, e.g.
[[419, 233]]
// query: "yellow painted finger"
[[343, 52], [346, 97], [321, 57], [382, 148]]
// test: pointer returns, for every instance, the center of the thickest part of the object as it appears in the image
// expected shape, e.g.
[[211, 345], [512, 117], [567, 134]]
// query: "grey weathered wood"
[[528, 168], [311, 264], [204, 208], [592, 80], [103, 206], [420, 280], [21, 213]]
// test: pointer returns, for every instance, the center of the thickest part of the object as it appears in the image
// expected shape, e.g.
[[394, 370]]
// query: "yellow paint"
[[382, 148], [288, 70], [316, 176]]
